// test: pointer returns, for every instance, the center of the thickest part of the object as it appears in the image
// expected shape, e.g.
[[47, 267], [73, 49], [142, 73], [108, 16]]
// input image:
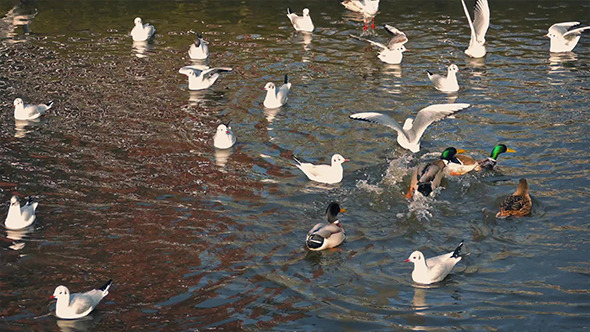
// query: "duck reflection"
[[141, 48]]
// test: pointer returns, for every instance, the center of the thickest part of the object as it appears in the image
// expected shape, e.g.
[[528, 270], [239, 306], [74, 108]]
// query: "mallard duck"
[[518, 204], [491, 161], [327, 235], [435, 269], [426, 178], [458, 164]]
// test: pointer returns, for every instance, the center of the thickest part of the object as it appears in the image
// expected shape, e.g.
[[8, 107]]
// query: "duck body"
[[491, 161], [518, 204], [326, 235], [426, 178], [18, 216], [461, 164], [78, 305], [435, 269]]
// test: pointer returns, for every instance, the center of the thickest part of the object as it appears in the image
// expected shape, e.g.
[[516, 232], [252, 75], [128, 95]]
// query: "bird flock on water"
[[425, 179]]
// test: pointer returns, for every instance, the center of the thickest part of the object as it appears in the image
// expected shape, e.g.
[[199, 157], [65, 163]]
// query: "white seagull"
[[301, 23], [448, 83], [20, 217], [277, 98], [327, 235], [408, 136], [224, 138], [78, 305], [202, 77], [142, 32], [479, 27], [435, 269], [561, 39], [29, 112], [199, 50], [368, 8], [324, 173], [392, 53]]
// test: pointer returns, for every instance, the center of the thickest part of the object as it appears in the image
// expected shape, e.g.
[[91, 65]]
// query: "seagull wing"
[[369, 41], [187, 69], [561, 28], [380, 119], [398, 36], [430, 114], [574, 33], [481, 19], [473, 34], [211, 71]]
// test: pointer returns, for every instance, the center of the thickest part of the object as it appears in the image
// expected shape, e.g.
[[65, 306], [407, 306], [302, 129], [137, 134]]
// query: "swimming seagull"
[[224, 137], [393, 52], [199, 50], [20, 217], [78, 305], [202, 77], [435, 269], [327, 235], [324, 173], [448, 83], [29, 112], [479, 27], [561, 39], [142, 32], [368, 8], [301, 23], [274, 98], [408, 136]]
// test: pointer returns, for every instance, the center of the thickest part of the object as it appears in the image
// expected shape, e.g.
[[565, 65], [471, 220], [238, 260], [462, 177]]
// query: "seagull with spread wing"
[[563, 40], [392, 53], [408, 136], [479, 27]]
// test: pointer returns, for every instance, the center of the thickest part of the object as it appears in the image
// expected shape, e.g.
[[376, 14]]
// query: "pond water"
[[130, 187]]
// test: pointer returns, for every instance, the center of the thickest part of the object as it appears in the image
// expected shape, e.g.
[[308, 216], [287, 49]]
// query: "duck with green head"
[[458, 164], [427, 177], [491, 161]]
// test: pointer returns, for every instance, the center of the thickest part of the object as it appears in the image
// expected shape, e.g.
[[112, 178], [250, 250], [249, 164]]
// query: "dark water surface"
[[130, 187]]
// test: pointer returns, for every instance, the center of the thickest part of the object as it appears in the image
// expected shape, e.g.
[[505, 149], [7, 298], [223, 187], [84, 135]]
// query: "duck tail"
[[315, 241], [457, 252], [425, 189]]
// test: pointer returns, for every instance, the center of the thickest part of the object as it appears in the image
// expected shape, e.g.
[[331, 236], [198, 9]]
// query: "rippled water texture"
[[130, 187]]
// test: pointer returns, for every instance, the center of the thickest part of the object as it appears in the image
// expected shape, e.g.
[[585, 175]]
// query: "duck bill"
[[510, 150], [461, 151], [342, 210]]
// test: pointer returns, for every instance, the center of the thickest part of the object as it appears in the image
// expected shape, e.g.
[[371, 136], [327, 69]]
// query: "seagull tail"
[[429, 73], [457, 252], [297, 161], [105, 287], [49, 104], [286, 79], [289, 11]]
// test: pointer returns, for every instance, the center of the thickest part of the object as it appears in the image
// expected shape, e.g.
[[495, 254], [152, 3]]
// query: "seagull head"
[[305, 12], [338, 159], [223, 129], [415, 257], [138, 21], [269, 86], [14, 200], [60, 292], [453, 68], [17, 102]]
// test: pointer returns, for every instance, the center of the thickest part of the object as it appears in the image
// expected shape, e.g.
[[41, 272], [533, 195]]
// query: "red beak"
[[346, 159], [52, 297], [227, 132], [407, 260]]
